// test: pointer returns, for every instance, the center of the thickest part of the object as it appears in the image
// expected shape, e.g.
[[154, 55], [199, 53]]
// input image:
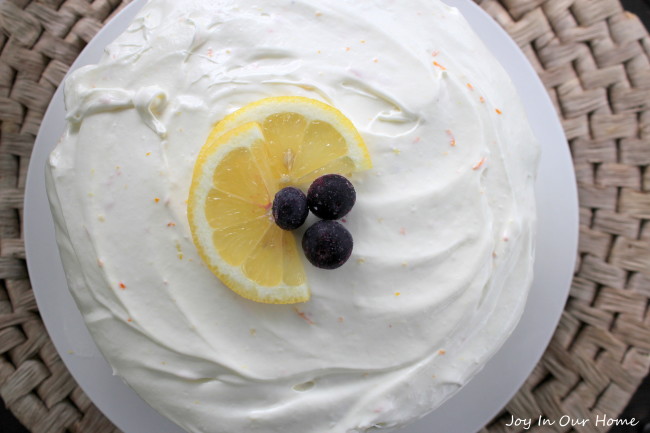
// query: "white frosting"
[[443, 225]]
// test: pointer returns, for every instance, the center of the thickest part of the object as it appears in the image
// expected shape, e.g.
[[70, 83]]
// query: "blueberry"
[[327, 244], [331, 197], [290, 208]]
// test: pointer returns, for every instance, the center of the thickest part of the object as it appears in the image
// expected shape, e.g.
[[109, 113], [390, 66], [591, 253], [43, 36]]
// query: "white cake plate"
[[465, 412]]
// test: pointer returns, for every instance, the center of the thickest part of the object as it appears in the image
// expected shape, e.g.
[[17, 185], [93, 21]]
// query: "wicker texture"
[[594, 60], [38, 43]]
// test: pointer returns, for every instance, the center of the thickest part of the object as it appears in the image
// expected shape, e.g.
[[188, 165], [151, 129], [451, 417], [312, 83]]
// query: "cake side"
[[444, 222]]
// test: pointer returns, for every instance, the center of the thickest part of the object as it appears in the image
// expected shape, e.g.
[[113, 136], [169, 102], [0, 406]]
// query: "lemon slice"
[[249, 156]]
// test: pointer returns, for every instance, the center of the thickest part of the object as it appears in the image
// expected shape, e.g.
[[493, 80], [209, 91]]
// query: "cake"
[[443, 225]]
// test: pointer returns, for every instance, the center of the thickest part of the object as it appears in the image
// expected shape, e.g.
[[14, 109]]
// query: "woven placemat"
[[593, 58]]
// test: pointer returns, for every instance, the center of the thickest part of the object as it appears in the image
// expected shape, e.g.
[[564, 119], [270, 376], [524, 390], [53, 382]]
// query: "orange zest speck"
[[122, 286], [171, 224], [452, 139], [303, 316], [442, 352], [479, 164], [469, 86], [397, 293], [498, 111], [156, 199], [482, 99], [438, 65]]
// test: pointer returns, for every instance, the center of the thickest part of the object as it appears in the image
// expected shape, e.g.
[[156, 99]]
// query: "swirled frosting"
[[443, 225]]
